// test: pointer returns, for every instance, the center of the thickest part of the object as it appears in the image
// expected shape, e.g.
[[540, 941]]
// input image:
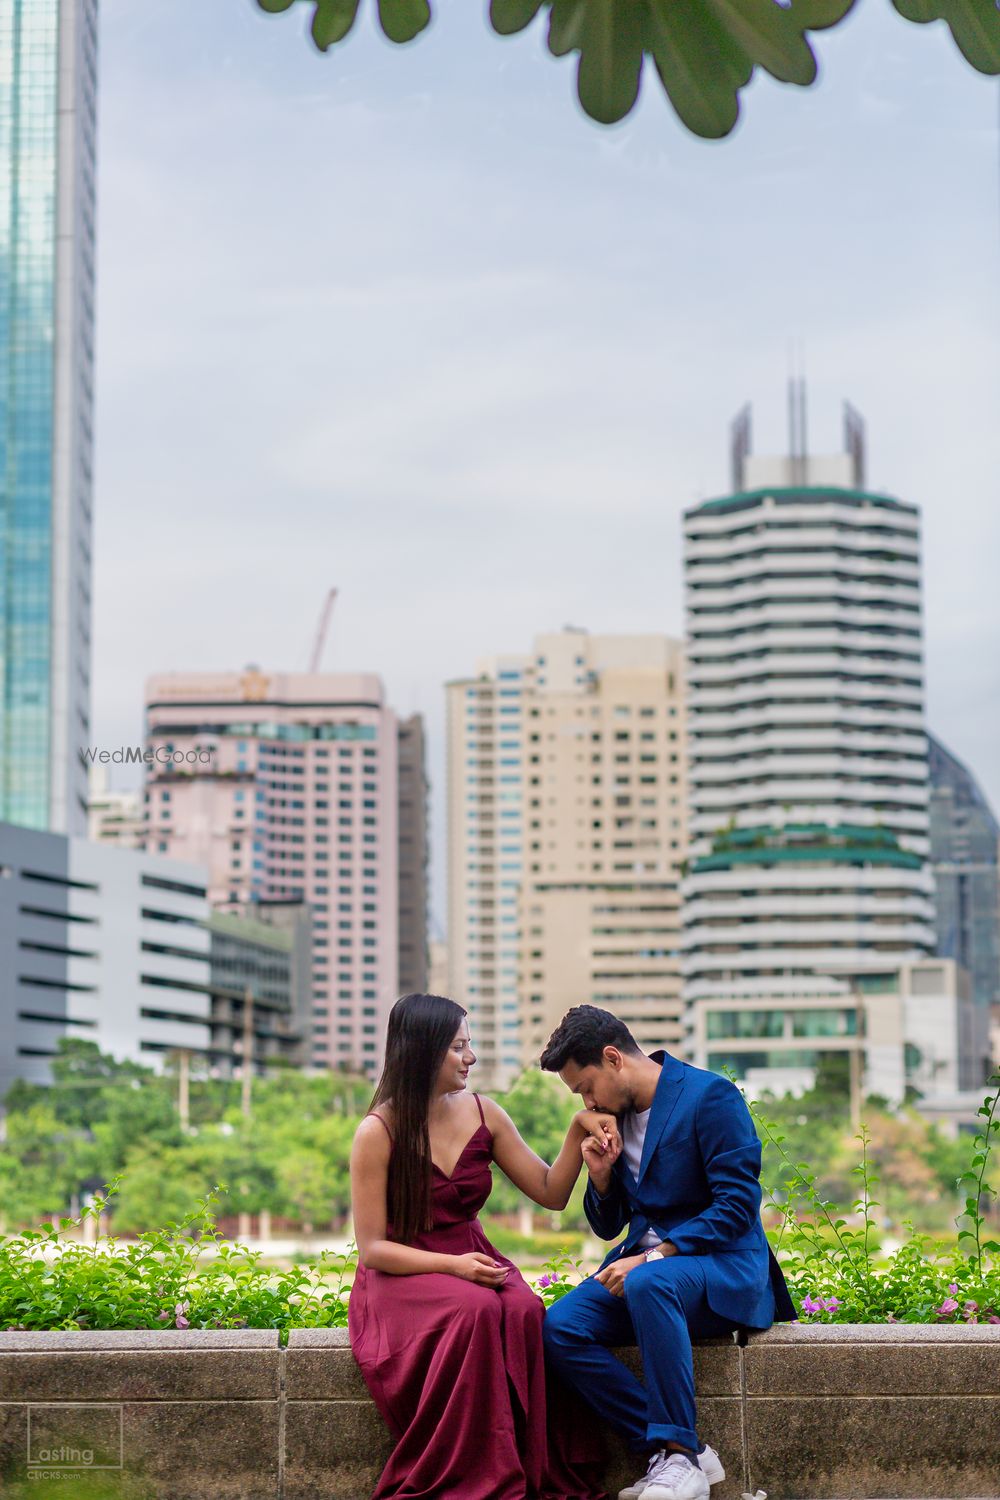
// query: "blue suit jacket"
[[699, 1187]]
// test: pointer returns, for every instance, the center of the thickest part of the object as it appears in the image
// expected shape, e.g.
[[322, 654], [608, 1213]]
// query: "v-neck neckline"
[[448, 1176]]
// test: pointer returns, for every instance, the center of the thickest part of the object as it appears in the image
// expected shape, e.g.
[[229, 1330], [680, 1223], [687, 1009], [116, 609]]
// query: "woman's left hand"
[[604, 1130]]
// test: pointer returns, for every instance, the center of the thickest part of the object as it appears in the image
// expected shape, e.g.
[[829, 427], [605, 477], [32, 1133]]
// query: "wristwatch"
[[655, 1252]]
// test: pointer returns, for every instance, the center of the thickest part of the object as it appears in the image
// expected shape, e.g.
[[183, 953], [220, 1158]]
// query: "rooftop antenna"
[[854, 443], [740, 440], [324, 621], [797, 440]]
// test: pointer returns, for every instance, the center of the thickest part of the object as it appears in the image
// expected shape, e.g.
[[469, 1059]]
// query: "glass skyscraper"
[[48, 85], [964, 836]]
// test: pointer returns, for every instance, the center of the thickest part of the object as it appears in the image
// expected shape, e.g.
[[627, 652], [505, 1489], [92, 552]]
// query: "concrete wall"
[[806, 1413]]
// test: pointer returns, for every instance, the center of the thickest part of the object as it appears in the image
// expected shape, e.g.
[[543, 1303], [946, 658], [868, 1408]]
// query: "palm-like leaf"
[[705, 51]]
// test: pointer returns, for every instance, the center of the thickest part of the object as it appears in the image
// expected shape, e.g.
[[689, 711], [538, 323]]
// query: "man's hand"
[[613, 1276], [604, 1130], [598, 1158]]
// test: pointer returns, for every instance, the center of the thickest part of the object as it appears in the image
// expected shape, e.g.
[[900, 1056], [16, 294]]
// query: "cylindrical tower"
[[808, 781]]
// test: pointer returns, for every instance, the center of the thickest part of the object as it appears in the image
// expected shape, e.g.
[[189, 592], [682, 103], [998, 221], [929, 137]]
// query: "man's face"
[[600, 1086]]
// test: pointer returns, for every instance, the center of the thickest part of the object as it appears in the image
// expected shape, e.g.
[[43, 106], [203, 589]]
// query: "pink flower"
[[164, 1316], [993, 1318], [953, 1289], [831, 1304], [180, 1309], [969, 1311], [891, 1318], [811, 1305], [949, 1305]]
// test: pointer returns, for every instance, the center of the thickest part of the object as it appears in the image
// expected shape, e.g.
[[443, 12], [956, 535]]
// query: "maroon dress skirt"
[[457, 1371]]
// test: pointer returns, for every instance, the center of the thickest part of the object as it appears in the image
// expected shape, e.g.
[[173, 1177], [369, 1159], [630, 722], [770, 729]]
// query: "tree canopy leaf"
[[704, 51]]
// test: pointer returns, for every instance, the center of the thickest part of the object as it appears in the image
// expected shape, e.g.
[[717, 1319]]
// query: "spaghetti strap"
[[376, 1116], [480, 1104]]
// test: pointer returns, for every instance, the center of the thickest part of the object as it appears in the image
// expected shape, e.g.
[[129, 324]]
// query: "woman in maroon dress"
[[446, 1331]]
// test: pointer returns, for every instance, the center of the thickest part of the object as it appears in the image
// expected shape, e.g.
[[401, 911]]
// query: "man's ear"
[[613, 1058]]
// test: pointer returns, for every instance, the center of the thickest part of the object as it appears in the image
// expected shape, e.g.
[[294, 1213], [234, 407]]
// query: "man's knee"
[[662, 1283]]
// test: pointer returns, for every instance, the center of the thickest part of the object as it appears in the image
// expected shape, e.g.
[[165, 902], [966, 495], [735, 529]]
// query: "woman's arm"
[[369, 1190], [548, 1186]]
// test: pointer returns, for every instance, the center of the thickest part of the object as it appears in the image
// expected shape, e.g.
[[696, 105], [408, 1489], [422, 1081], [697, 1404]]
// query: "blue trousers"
[[663, 1308]]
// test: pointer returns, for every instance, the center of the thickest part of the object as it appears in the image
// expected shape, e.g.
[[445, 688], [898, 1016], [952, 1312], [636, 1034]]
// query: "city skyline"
[[484, 388]]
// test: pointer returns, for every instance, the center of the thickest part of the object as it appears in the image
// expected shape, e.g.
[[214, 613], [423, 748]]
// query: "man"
[[695, 1261]]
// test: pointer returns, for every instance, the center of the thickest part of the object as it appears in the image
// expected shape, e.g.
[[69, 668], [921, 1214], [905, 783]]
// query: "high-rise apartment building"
[[808, 757], [48, 89], [567, 833], [286, 786], [413, 857]]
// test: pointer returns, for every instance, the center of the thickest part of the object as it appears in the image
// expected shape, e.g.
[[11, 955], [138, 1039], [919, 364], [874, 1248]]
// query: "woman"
[[445, 1329]]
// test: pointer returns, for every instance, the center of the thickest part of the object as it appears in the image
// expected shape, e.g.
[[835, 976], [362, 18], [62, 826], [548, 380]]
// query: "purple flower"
[[953, 1289], [831, 1304], [548, 1280], [949, 1305], [811, 1305], [164, 1316], [180, 1309], [891, 1318], [993, 1318]]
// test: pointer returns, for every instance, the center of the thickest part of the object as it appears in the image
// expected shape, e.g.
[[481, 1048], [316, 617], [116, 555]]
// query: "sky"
[[404, 321]]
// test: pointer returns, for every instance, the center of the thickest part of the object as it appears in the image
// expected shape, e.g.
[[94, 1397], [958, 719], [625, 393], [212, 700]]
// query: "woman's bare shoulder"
[[375, 1130]]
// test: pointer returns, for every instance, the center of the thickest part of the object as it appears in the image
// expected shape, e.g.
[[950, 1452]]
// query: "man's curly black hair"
[[581, 1037]]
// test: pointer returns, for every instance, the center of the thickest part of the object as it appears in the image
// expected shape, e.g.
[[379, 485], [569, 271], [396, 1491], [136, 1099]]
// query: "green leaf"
[[607, 79], [508, 16], [402, 20], [274, 6], [774, 35], [566, 25], [974, 24], [702, 70], [332, 21]]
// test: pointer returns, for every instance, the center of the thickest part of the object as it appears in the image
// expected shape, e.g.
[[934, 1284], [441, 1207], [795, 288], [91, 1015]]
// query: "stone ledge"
[[805, 1412], [13, 1340], [876, 1333]]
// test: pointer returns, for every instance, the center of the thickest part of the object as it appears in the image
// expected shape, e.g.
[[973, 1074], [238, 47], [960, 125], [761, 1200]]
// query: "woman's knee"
[[477, 1304]]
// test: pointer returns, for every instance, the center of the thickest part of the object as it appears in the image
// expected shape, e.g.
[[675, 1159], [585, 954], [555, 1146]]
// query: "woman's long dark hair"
[[421, 1029]]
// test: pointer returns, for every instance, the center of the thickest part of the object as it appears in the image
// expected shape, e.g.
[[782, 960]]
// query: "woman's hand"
[[603, 1130], [480, 1269]]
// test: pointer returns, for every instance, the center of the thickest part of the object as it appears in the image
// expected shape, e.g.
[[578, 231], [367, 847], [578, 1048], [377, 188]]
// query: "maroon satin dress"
[[456, 1369]]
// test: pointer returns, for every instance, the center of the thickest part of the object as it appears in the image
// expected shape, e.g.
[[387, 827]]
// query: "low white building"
[[912, 1022], [99, 942]]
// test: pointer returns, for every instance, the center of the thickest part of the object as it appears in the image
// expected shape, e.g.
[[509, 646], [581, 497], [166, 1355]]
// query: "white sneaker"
[[676, 1477], [709, 1462], [633, 1491], [711, 1465]]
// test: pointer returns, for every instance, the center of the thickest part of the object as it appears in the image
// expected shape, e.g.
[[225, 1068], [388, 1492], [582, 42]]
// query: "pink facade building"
[[287, 786]]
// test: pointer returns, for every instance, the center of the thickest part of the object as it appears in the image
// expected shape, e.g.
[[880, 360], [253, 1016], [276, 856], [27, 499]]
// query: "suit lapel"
[[668, 1092]]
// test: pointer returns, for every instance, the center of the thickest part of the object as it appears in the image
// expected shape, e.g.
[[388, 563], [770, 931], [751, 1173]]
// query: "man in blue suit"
[[694, 1262]]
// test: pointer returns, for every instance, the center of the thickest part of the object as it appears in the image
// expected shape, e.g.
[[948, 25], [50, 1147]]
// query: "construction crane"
[[324, 621]]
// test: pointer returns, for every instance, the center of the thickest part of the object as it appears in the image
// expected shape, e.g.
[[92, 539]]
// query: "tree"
[[704, 51]]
